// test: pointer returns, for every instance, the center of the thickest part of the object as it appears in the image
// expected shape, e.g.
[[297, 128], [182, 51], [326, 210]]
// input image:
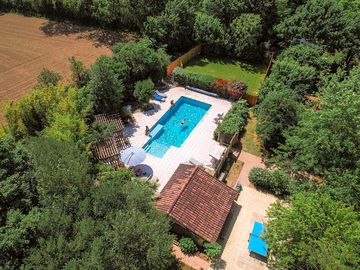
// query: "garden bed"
[[227, 69]]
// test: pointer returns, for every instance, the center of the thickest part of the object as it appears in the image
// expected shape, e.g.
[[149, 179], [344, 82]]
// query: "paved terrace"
[[198, 145]]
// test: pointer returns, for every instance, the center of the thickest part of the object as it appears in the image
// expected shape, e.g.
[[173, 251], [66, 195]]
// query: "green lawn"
[[228, 69]]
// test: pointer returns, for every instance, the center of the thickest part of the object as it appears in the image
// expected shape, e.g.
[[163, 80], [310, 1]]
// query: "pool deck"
[[199, 143]]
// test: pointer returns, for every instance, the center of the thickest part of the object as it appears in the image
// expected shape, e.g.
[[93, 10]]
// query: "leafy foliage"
[[201, 81], [34, 112], [187, 245], [18, 196], [275, 114], [329, 23], [212, 249], [208, 30], [107, 89], [143, 60], [314, 231], [245, 33], [144, 90], [48, 77], [80, 74], [235, 119], [277, 182]]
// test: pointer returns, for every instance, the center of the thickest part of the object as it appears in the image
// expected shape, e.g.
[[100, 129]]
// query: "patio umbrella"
[[132, 156]]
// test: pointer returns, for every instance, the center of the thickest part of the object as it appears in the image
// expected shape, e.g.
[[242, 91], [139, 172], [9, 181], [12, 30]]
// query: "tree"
[[107, 89], [277, 112], [128, 13], [59, 167], [18, 195], [313, 232], [142, 59], [144, 90], [225, 10], [245, 32], [36, 111], [99, 230], [174, 26], [209, 31], [299, 78], [80, 74], [327, 23], [48, 77], [325, 142]]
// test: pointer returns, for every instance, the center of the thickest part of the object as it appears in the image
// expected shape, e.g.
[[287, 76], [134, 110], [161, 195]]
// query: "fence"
[[227, 151], [252, 100], [186, 57], [268, 70]]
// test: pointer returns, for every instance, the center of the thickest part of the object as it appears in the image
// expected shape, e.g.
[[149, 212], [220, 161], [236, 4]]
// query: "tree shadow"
[[99, 36], [258, 257], [218, 264], [245, 65], [155, 108], [130, 129]]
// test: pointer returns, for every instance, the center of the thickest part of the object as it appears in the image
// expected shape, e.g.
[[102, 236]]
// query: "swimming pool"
[[169, 131]]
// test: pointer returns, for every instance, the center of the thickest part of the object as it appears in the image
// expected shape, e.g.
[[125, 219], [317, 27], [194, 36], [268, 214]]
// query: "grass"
[[250, 141], [227, 69]]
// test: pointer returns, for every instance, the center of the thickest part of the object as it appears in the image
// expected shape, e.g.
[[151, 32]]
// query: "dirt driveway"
[[28, 44]]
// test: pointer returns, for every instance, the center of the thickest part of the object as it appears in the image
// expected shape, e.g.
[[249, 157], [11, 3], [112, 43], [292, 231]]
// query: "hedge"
[[278, 182], [225, 89], [234, 121]]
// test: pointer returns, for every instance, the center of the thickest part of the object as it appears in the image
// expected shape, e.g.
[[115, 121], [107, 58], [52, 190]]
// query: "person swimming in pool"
[[183, 122]]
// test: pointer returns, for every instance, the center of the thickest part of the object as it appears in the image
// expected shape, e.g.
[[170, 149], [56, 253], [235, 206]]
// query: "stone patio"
[[198, 145], [251, 206]]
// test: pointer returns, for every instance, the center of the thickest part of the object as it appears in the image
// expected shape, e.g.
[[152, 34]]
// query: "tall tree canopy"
[[325, 22], [313, 232], [327, 142]]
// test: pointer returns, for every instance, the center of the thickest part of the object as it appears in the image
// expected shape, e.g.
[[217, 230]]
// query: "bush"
[[225, 89], [212, 249], [236, 89], [48, 77], [277, 182], [202, 81], [144, 90], [234, 121], [187, 245]]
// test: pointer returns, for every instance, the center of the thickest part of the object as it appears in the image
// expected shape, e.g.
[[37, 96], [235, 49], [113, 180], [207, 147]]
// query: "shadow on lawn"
[[99, 36], [247, 66]]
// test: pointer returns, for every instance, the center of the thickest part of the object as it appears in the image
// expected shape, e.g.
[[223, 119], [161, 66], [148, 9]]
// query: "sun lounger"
[[158, 97], [160, 94]]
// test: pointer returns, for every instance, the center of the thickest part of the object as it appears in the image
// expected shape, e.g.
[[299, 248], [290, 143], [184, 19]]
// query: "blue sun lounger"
[[158, 97], [256, 244]]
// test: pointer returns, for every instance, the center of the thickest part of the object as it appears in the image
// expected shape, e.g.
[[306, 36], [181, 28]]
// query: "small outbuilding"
[[197, 203]]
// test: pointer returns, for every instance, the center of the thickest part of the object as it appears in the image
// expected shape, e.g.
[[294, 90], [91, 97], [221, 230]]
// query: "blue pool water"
[[168, 131]]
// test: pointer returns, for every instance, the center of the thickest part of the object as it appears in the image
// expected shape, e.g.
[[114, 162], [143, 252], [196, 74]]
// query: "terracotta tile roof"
[[197, 201]]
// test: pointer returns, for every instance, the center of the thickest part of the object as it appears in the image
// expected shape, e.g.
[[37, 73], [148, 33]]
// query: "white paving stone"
[[199, 143]]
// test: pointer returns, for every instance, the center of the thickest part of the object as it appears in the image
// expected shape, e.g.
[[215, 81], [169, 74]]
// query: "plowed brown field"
[[29, 44]]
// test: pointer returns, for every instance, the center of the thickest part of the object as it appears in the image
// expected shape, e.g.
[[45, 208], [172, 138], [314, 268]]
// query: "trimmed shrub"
[[212, 249], [144, 90], [234, 121], [225, 89], [202, 81], [277, 182], [187, 245]]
